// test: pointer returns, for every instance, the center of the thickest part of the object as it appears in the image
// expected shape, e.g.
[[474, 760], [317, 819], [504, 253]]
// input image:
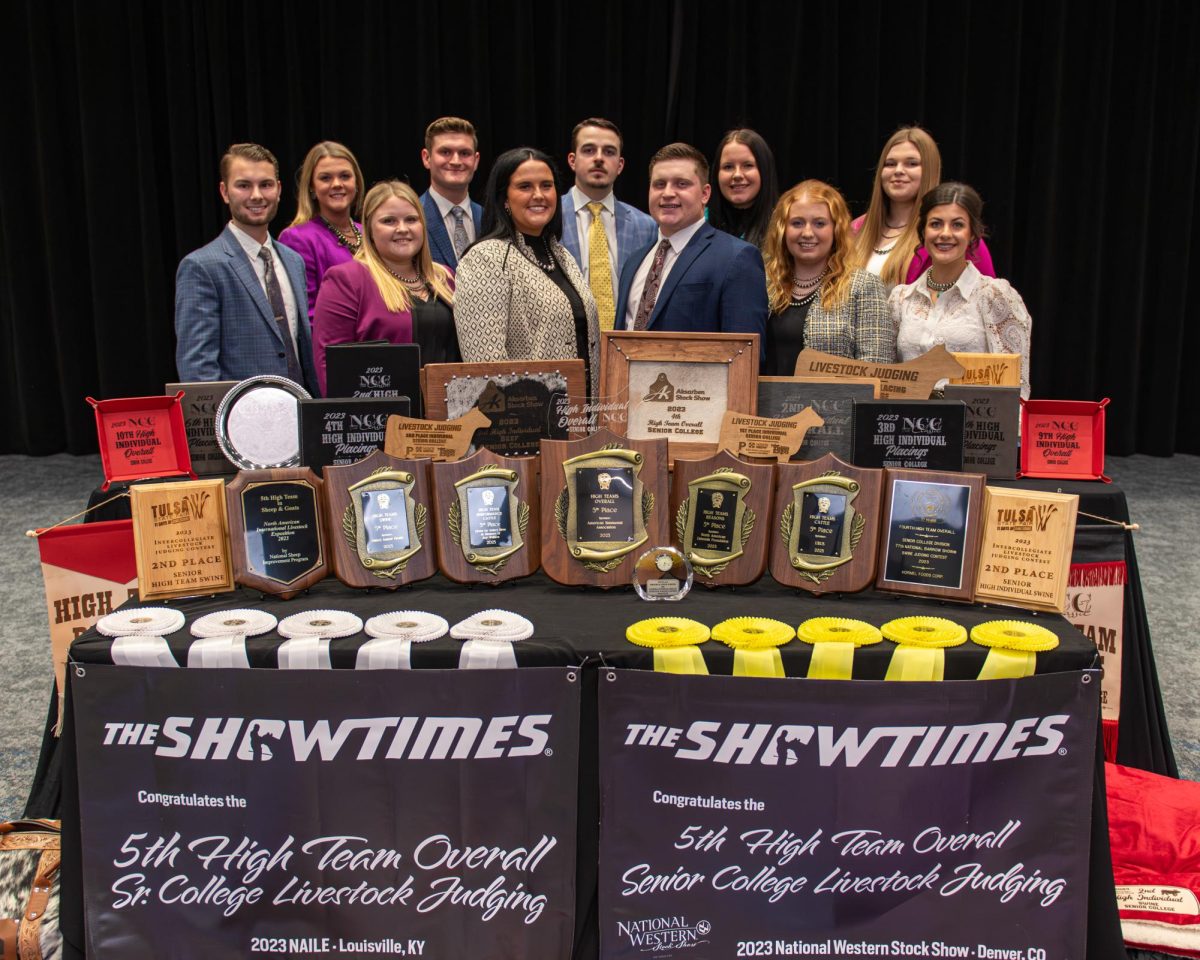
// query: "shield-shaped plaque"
[[828, 521]]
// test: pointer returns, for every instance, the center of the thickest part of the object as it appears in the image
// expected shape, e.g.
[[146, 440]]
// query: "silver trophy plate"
[[257, 423]]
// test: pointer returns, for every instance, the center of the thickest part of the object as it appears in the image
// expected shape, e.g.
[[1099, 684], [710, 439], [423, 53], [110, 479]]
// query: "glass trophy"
[[662, 573]]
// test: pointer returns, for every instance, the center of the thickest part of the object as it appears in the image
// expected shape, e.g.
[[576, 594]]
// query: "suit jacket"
[[319, 250], [440, 245], [717, 285], [224, 326], [634, 230]]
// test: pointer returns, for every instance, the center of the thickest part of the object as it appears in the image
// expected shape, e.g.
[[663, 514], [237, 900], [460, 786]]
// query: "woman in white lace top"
[[952, 302]]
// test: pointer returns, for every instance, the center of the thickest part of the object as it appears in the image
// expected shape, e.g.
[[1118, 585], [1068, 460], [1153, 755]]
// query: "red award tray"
[[1063, 439], [142, 437]]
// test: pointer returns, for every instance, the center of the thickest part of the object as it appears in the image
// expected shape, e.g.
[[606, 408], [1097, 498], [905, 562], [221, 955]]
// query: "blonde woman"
[[910, 165], [325, 231], [392, 290], [816, 298]]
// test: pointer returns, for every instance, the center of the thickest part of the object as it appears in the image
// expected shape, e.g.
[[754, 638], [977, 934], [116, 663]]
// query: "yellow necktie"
[[599, 268]]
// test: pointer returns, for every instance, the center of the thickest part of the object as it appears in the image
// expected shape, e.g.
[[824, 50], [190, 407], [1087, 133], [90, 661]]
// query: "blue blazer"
[[440, 246], [224, 326], [634, 230], [718, 285]]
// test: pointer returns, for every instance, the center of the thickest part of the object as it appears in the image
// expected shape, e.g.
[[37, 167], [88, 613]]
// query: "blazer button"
[[281, 356]]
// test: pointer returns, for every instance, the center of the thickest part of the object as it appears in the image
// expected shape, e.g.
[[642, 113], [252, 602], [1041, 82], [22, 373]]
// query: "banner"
[[761, 818], [392, 813]]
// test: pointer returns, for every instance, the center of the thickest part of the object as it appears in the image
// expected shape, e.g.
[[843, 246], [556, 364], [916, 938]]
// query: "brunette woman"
[[744, 186]]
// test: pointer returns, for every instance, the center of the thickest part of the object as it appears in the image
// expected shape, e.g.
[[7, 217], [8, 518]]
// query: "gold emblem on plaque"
[[488, 558], [617, 476], [829, 488], [713, 533], [383, 523]]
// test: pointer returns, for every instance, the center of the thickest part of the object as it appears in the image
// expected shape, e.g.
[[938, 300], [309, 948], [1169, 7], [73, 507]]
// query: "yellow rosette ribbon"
[[674, 641], [834, 640], [921, 654], [755, 641], [1013, 648]]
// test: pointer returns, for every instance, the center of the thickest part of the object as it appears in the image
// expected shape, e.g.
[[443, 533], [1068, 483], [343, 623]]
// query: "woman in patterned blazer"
[[817, 300], [519, 294]]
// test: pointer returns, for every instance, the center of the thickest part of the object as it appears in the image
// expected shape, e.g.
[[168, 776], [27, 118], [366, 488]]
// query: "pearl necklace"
[[350, 243], [801, 301], [413, 283], [802, 285], [935, 286], [548, 267], [884, 251]]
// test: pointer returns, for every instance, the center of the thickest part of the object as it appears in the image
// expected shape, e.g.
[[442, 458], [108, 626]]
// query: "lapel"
[[299, 282], [695, 247], [570, 232], [477, 216], [245, 273], [439, 239]]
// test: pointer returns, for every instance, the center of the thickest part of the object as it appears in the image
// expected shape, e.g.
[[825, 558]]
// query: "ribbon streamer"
[[220, 652], [679, 660], [1008, 665], [141, 651], [487, 655], [305, 653], [917, 663], [385, 653], [832, 661], [757, 663]]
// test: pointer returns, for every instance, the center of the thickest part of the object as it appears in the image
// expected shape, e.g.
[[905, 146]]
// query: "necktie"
[[650, 290], [460, 232], [600, 268], [275, 296]]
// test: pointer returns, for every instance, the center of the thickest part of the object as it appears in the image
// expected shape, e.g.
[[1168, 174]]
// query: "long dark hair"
[[497, 221], [961, 195], [750, 224]]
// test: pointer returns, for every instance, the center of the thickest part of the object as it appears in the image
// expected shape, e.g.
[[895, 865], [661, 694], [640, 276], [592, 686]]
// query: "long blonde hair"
[[394, 293], [305, 201], [895, 267], [835, 288]]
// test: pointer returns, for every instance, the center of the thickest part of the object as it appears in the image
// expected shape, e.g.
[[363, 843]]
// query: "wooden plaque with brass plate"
[[604, 500], [181, 539], [826, 525], [721, 508], [277, 529], [378, 521], [488, 520], [1025, 559]]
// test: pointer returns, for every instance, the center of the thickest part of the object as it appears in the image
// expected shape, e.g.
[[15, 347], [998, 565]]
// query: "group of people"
[[532, 274]]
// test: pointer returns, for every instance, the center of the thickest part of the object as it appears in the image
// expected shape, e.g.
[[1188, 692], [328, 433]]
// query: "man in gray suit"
[[599, 230], [240, 303]]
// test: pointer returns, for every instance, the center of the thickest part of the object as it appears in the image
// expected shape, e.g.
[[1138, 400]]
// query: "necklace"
[[935, 286], [548, 267], [413, 283], [801, 301], [352, 242], [802, 284], [885, 250]]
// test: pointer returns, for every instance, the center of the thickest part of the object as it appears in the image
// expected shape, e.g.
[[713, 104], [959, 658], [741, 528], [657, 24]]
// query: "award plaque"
[[378, 515], [488, 518], [721, 509], [141, 437], [1063, 439], [677, 386], [913, 380], [832, 401], [181, 539], [277, 530], [990, 431], [199, 403], [931, 524], [341, 431], [602, 498], [662, 573], [988, 369], [525, 401], [827, 523], [1027, 538], [257, 423], [377, 370], [914, 435]]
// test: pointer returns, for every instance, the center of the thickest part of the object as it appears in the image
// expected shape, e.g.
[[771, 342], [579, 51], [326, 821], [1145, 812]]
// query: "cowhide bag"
[[29, 858]]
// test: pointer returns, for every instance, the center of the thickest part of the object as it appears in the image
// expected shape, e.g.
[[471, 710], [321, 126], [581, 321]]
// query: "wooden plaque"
[[525, 400], [181, 539], [825, 525], [1026, 554], [721, 510], [604, 502], [765, 437], [277, 530], [410, 439], [676, 386], [989, 369], [930, 533], [488, 517], [378, 521], [913, 380]]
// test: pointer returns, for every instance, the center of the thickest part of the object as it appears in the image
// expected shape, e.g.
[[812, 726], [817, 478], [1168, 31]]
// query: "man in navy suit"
[[240, 304], [590, 212], [453, 219], [691, 277]]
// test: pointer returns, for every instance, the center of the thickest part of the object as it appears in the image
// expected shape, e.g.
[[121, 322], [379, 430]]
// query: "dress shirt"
[[445, 206], [252, 246], [583, 224], [678, 240]]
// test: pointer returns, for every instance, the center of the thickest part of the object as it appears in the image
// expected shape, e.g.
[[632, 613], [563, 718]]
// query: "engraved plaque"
[[488, 522], [833, 402], [341, 431], [1026, 554], [384, 521], [920, 435], [604, 504], [716, 511], [822, 522], [990, 429], [200, 402], [679, 401], [374, 370], [181, 539]]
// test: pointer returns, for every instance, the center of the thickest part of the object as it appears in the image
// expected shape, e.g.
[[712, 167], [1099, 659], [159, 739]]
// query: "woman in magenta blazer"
[[325, 231], [392, 290]]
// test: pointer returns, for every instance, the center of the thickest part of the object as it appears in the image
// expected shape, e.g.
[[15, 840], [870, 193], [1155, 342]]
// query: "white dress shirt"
[[252, 246], [445, 206], [583, 225], [679, 240]]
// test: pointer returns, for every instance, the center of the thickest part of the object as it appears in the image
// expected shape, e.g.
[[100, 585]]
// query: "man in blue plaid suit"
[[240, 304]]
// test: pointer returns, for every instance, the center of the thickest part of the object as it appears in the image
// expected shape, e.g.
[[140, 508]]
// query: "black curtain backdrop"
[[1077, 121]]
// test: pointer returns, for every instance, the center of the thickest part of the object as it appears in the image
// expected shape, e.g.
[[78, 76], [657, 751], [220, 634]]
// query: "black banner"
[[768, 818], [384, 813]]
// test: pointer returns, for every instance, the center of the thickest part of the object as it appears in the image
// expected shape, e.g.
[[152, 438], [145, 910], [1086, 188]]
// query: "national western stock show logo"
[[659, 934]]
